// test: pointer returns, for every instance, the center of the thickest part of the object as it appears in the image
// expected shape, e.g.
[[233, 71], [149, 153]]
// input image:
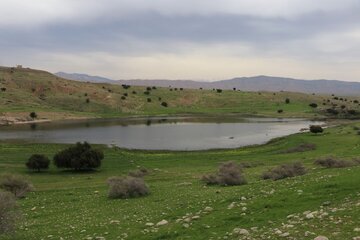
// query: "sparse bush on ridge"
[[285, 171], [8, 212], [15, 184], [127, 187], [229, 174], [331, 162]]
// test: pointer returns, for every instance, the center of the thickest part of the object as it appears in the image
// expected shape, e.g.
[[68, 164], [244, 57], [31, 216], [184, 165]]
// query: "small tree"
[[79, 157], [38, 162], [127, 187], [219, 90], [316, 129], [280, 111], [164, 104], [33, 115], [287, 100]]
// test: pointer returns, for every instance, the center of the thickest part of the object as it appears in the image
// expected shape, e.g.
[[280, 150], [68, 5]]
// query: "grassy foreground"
[[70, 205], [27, 90]]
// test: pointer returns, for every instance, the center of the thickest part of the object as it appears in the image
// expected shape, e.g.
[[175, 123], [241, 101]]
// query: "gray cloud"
[[323, 31]]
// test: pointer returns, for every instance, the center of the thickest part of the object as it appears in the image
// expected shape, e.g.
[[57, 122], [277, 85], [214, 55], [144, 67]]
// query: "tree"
[[287, 100], [164, 104], [38, 162], [219, 90], [33, 115], [316, 129], [313, 105], [79, 157]]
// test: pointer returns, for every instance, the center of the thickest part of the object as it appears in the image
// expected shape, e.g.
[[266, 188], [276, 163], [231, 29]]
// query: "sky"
[[184, 39]]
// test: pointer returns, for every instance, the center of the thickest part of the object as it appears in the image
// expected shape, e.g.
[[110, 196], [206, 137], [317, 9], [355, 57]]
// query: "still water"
[[187, 133]]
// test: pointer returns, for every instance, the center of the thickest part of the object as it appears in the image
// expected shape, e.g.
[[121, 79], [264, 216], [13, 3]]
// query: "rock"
[[240, 231], [309, 216], [186, 225], [195, 217], [321, 238], [231, 205], [162, 223], [33, 209], [356, 238], [278, 232], [285, 234], [243, 198], [149, 224], [114, 222], [208, 209], [356, 229]]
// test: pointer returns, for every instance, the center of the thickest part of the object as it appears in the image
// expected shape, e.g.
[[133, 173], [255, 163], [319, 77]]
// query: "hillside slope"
[[27, 90]]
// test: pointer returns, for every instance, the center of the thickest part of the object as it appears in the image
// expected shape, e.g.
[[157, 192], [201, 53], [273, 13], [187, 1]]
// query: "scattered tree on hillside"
[[81, 156], [287, 100], [313, 105], [33, 115], [316, 129], [38, 162]]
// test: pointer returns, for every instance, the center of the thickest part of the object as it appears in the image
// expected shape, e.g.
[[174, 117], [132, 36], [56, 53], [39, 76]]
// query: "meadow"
[[70, 205]]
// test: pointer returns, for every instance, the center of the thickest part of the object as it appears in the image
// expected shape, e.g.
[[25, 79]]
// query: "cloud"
[[179, 39]]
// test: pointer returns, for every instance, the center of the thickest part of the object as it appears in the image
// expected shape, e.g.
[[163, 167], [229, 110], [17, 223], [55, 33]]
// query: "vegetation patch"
[[229, 174], [285, 171], [127, 187]]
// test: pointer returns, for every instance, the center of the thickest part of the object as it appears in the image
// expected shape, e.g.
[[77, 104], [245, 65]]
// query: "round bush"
[[127, 187], [38, 162]]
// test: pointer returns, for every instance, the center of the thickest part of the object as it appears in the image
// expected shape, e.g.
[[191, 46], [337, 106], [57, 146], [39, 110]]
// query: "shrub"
[[123, 97], [147, 93], [280, 111], [284, 171], [313, 105], [8, 212], [88, 100], [3, 89], [134, 92], [229, 174], [351, 111], [79, 157], [139, 173], [287, 101], [148, 88], [125, 86], [125, 94], [149, 100], [316, 129], [33, 115], [16, 184], [164, 104], [219, 90], [127, 187], [331, 162], [38, 162]]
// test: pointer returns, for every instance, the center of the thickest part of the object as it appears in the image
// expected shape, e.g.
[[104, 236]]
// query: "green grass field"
[[53, 98], [69, 205]]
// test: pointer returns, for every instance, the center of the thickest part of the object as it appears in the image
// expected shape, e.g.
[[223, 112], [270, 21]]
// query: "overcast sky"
[[184, 39]]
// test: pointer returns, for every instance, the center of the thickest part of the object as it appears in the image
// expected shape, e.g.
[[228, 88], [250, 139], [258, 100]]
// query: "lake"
[[168, 133]]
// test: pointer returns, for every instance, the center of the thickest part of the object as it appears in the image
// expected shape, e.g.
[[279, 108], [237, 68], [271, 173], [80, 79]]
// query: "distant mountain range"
[[83, 77], [258, 83]]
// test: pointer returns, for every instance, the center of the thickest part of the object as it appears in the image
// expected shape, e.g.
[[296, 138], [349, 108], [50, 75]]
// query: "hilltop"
[[52, 97]]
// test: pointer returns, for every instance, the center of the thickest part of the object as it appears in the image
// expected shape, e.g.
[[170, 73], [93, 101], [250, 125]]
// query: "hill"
[[258, 83], [84, 77], [52, 97]]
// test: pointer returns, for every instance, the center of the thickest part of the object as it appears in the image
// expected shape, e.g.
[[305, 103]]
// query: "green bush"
[[38, 162], [79, 157], [316, 129]]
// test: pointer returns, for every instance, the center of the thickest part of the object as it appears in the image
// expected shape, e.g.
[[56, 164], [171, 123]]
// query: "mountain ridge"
[[255, 83]]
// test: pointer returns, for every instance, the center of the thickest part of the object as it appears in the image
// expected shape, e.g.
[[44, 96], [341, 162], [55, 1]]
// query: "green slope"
[[52, 97]]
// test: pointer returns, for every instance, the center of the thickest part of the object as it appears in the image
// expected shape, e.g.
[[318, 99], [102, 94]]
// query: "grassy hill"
[[27, 90], [68, 205]]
